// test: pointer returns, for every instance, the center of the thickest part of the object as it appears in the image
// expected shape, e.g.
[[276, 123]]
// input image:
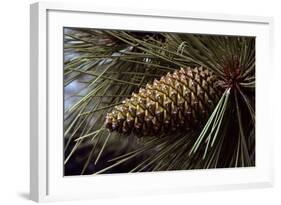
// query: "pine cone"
[[182, 100]]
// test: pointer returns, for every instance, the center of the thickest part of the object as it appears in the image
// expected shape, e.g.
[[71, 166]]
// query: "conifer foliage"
[[146, 101]]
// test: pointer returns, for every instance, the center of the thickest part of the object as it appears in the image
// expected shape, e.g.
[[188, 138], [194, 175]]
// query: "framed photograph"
[[127, 102]]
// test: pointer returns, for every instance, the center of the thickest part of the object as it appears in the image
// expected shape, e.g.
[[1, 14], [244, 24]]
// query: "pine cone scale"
[[191, 96], [204, 84]]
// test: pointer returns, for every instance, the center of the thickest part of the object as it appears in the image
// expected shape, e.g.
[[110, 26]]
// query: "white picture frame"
[[47, 182]]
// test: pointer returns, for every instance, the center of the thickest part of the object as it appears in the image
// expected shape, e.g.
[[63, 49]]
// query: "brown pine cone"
[[179, 101]]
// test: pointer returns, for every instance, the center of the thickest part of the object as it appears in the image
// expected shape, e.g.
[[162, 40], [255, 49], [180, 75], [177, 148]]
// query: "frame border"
[[39, 78]]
